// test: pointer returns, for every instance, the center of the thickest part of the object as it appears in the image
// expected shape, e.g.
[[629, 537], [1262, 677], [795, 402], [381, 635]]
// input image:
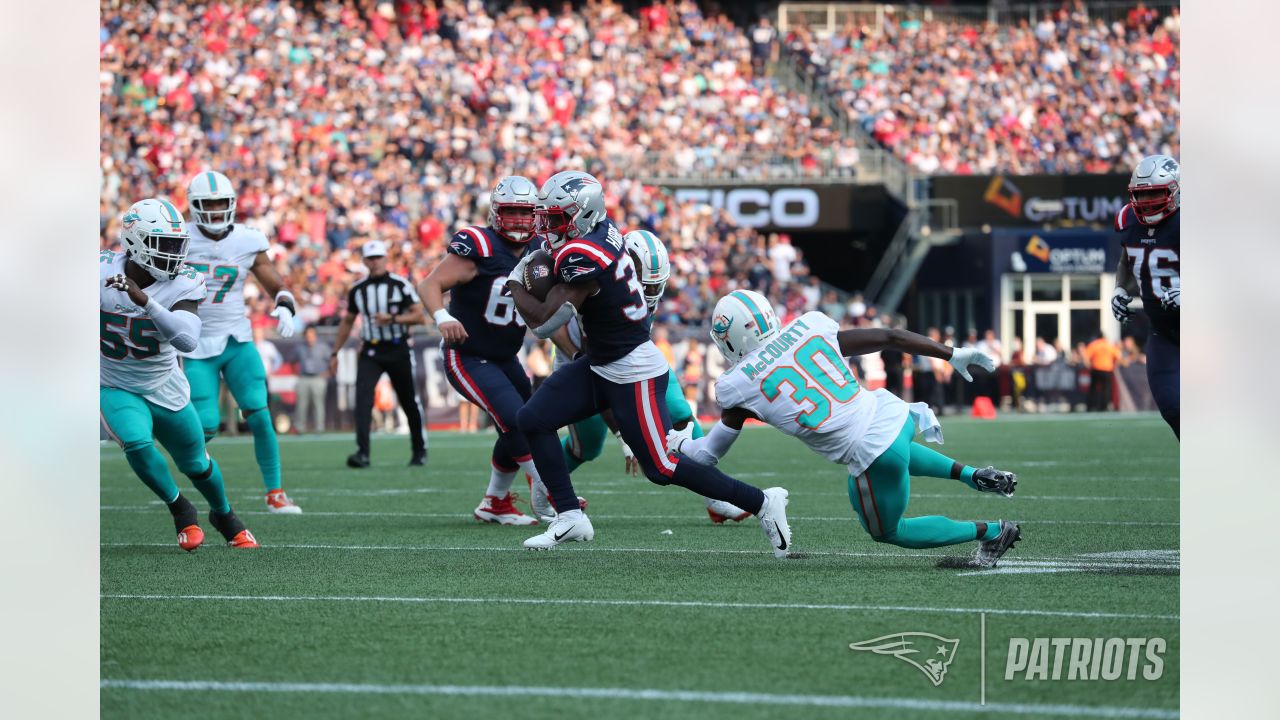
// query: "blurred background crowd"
[[342, 121]]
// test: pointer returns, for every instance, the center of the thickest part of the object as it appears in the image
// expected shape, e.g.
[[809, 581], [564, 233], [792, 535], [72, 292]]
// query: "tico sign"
[[776, 207]]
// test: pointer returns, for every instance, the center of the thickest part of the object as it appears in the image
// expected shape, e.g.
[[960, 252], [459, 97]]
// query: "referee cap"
[[374, 248]]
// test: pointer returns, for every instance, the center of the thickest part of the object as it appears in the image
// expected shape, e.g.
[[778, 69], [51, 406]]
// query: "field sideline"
[[386, 598]]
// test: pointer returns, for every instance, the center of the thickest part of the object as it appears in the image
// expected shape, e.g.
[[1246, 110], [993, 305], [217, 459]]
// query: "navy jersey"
[[483, 304], [615, 318], [1152, 254]]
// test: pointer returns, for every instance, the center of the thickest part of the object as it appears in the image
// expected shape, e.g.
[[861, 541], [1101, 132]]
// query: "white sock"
[[500, 483], [531, 469], [573, 515]]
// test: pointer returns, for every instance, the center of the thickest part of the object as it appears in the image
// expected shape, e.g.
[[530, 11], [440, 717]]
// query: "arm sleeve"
[[708, 450], [180, 328], [556, 321]]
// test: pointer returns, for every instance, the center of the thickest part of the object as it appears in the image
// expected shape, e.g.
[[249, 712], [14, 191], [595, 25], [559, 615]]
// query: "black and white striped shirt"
[[388, 293]]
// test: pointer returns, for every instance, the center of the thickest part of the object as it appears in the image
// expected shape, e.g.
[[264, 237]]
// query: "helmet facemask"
[[653, 289], [1153, 203], [554, 223], [162, 254], [214, 214], [514, 220]]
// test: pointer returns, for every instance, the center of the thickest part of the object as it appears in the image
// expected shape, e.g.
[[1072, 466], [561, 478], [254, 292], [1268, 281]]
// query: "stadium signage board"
[[776, 207], [1025, 200]]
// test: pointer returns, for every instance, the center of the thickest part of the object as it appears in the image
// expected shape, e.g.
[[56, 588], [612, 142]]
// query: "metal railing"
[[734, 168]]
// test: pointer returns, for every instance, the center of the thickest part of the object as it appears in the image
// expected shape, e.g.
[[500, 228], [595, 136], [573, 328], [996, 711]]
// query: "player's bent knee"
[[528, 420], [201, 471], [137, 446]]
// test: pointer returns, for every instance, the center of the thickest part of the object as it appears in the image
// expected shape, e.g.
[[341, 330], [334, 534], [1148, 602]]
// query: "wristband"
[[441, 316], [285, 299]]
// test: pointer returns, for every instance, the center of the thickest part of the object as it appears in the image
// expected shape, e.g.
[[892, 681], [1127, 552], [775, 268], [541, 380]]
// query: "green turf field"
[[386, 599]]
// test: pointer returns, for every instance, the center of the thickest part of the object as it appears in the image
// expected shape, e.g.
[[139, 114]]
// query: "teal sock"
[[151, 468], [572, 461], [927, 462], [993, 529], [265, 447], [211, 487], [933, 531]]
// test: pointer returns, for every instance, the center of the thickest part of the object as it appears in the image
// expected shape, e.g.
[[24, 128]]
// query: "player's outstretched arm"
[[452, 271], [868, 340], [286, 306], [544, 317], [179, 325], [708, 450]]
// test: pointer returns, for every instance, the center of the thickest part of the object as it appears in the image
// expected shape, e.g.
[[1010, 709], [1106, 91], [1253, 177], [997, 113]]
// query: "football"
[[539, 274]]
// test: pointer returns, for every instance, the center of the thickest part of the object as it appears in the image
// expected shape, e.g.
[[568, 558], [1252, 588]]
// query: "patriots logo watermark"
[[460, 248], [930, 654], [720, 325]]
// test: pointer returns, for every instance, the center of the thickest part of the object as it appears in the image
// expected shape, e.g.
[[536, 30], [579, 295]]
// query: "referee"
[[387, 306]]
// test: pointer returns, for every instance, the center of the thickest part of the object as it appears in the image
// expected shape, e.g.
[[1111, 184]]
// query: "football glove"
[[517, 273], [631, 464], [1120, 300], [962, 358], [1171, 299], [284, 313]]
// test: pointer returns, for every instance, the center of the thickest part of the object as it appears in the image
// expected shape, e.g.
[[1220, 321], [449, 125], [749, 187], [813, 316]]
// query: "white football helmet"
[[570, 205], [742, 321], [205, 196], [1154, 189], [511, 208], [651, 261], [154, 236]]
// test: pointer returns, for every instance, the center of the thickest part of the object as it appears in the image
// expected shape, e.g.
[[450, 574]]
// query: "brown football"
[[539, 274]]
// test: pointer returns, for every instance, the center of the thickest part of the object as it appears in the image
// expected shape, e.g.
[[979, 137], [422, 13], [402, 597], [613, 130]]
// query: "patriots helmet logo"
[[930, 654], [575, 184], [460, 248], [720, 325]]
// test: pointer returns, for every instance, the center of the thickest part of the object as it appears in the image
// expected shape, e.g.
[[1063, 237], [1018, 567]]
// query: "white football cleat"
[[569, 527], [721, 511], [773, 520], [501, 511]]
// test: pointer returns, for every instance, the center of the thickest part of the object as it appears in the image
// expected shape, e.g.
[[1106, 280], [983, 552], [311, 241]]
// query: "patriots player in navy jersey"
[[1149, 268], [482, 333], [620, 369]]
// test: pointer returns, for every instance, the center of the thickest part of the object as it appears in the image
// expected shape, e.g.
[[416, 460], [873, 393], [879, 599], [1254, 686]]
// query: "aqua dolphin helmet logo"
[[721, 324]]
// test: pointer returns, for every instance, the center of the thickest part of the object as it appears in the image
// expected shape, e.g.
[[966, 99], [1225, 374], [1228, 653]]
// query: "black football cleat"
[[990, 551], [357, 460], [418, 459], [989, 479]]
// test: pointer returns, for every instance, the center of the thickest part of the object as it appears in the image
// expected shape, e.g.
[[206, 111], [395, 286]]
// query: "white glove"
[[1120, 300], [962, 358], [517, 273], [284, 313], [1171, 299]]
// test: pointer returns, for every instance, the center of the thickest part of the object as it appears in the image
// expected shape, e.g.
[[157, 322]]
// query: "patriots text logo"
[[930, 654]]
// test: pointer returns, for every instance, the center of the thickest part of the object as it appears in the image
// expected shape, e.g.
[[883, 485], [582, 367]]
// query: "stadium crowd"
[[345, 121], [1071, 93]]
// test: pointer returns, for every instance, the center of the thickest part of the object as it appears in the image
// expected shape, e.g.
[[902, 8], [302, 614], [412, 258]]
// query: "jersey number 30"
[[812, 383]]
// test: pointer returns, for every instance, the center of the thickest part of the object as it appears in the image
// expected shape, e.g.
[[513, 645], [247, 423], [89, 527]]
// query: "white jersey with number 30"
[[800, 383], [225, 264]]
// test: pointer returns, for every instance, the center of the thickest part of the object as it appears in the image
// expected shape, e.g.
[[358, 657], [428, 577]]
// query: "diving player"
[[482, 333], [585, 440], [1149, 268], [620, 368], [226, 253], [795, 378], [147, 312]]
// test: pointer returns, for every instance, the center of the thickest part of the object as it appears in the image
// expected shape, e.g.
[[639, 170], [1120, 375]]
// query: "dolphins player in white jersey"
[[226, 253], [795, 378], [147, 312]]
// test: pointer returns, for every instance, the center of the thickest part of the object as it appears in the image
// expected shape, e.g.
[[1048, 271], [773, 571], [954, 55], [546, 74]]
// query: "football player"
[[1149, 268], [482, 333], [226, 253], [620, 367], [796, 379], [146, 314], [585, 440]]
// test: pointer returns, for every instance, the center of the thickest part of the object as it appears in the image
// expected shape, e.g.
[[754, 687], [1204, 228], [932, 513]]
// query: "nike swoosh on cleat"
[[781, 538], [566, 532]]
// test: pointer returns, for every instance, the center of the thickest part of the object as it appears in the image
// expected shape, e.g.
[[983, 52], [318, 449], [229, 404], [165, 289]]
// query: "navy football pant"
[[500, 388], [574, 393], [1164, 371]]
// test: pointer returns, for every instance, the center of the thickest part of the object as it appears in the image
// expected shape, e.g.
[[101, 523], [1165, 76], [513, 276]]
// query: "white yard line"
[[633, 603], [647, 694], [603, 516]]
